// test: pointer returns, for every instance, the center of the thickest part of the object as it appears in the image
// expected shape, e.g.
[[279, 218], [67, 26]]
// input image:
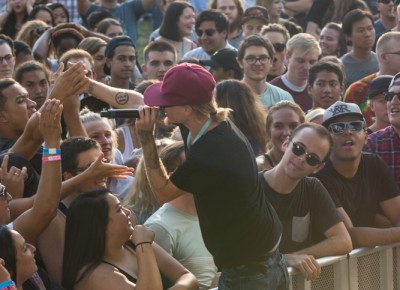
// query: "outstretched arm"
[[370, 237], [32, 222], [117, 98]]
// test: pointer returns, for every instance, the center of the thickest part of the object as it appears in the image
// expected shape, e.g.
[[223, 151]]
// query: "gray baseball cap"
[[341, 109]]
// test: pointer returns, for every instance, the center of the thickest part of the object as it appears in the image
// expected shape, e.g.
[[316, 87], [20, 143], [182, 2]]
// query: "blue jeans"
[[269, 274]]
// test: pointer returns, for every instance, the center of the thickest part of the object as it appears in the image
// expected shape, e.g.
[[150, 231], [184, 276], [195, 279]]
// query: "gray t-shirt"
[[356, 69], [272, 95]]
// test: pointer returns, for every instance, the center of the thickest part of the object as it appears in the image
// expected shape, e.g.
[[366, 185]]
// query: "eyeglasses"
[[3, 193], [208, 32], [299, 150], [279, 47], [390, 95], [262, 59], [339, 127], [7, 58]]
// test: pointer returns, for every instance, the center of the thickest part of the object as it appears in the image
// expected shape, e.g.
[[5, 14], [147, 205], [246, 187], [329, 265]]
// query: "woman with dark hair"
[[233, 9], [282, 119], [16, 14], [177, 26], [113, 253], [60, 12], [332, 40], [18, 255], [44, 13], [247, 113]]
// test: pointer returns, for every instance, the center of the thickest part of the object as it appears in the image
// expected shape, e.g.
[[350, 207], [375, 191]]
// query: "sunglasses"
[[339, 127], [3, 193], [208, 32], [299, 150], [279, 47], [390, 95]]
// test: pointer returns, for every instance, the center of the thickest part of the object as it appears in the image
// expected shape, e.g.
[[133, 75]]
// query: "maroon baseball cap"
[[184, 84]]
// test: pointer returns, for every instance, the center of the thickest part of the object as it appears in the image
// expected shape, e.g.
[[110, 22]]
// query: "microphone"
[[120, 113]]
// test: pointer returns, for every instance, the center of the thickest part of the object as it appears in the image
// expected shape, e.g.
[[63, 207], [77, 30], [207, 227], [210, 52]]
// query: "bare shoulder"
[[105, 277]]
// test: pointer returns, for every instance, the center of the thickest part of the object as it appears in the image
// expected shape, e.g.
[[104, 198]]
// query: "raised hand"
[[50, 122], [13, 179], [142, 234], [71, 82]]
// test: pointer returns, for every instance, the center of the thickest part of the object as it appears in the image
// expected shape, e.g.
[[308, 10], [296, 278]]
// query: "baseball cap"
[[341, 109], [183, 84], [225, 58], [117, 41], [379, 85], [113, 44], [396, 76], [256, 12]]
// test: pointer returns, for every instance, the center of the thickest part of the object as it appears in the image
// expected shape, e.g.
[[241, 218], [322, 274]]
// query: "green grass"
[[145, 29]]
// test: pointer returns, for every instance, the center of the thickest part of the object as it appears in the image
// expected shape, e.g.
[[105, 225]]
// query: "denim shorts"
[[269, 274]]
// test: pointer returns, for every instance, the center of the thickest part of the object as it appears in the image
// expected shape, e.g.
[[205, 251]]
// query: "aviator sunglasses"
[[339, 127]]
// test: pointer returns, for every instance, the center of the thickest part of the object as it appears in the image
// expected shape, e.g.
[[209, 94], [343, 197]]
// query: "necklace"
[[201, 133]]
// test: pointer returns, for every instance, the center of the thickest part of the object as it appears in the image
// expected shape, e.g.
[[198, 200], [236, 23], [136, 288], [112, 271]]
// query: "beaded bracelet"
[[8, 285], [51, 151], [51, 158]]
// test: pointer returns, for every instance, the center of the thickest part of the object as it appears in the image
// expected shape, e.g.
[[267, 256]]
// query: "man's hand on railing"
[[307, 265]]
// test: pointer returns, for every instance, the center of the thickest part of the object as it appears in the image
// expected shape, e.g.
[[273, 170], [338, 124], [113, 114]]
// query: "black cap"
[[118, 41], [379, 85], [256, 12], [225, 58]]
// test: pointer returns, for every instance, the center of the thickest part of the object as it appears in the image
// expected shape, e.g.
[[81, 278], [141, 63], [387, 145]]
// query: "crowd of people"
[[264, 134]]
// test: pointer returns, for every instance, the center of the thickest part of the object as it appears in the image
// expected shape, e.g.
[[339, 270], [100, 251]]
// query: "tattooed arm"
[[160, 183], [117, 98]]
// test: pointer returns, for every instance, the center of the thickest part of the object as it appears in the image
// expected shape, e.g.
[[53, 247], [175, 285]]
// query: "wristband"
[[51, 158], [51, 151], [143, 243], [8, 285]]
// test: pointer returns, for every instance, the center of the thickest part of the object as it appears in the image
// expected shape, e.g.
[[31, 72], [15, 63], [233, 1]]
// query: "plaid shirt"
[[386, 143], [72, 9]]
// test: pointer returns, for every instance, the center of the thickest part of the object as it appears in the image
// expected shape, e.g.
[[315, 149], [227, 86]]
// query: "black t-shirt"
[[320, 8], [360, 196], [237, 222], [306, 213]]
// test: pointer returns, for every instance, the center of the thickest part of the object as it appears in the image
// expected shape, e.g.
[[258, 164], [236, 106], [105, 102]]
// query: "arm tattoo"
[[122, 98], [91, 88]]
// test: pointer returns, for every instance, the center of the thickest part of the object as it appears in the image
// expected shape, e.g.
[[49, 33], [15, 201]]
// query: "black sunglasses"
[[390, 95], [299, 150], [279, 47], [208, 32], [338, 128], [3, 193]]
